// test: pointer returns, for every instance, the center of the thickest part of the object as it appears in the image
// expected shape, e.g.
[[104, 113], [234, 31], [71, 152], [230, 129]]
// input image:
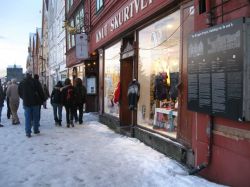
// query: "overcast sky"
[[18, 18]]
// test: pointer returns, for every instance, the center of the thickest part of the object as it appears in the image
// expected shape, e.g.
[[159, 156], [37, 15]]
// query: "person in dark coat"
[[32, 95], [80, 95], [2, 97], [68, 98], [7, 100], [46, 93], [56, 102], [38, 84]]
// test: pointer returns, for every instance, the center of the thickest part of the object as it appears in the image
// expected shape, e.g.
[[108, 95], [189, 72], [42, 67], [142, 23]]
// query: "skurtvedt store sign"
[[218, 70]]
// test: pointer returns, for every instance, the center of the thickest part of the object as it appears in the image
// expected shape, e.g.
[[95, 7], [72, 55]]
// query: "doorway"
[[126, 77]]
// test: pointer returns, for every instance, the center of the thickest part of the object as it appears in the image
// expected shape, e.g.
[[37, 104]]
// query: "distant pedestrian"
[[68, 99], [56, 102], [2, 97], [7, 100], [80, 99], [46, 94], [12, 94], [32, 95]]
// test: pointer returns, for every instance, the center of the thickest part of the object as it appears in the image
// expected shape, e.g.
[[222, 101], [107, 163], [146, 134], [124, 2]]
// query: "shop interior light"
[[94, 63]]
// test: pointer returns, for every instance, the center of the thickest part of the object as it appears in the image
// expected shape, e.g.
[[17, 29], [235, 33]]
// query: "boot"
[[72, 124], [60, 122], [56, 121]]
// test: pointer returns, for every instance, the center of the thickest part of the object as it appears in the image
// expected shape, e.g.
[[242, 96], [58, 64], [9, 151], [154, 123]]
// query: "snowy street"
[[86, 155]]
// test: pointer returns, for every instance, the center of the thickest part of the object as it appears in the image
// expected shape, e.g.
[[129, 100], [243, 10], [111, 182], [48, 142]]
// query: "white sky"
[[18, 18]]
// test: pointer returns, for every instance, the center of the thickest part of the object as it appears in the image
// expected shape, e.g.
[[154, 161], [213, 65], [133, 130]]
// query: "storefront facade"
[[147, 41], [78, 67], [142, 41]]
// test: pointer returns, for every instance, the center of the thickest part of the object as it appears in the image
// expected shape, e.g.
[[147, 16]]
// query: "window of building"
[[158, 73], [71, 37], [202, 6], [111, 78], [69, 4], [99, 5], [79, 19]]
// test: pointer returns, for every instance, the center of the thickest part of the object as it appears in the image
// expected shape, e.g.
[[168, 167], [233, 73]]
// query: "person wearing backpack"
[[68, 98], [80, 93], [56, 102]]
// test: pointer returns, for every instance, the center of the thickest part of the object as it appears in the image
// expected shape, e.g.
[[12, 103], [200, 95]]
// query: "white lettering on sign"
[[125, 14]]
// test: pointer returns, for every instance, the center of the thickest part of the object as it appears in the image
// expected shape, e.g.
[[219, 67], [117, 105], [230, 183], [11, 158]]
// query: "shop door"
[[126, 79]]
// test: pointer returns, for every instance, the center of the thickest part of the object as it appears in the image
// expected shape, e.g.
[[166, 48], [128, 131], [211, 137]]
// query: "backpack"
[[70, 95]]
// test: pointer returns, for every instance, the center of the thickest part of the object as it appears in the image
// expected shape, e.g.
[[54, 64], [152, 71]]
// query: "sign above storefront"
[[81, 46], [123, 15]]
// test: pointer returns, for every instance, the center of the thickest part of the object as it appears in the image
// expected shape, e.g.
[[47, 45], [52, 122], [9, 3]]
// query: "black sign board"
[[215, 70]]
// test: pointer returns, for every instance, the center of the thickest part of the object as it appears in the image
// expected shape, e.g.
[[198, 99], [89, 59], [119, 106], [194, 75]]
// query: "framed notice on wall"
[[215, 71], [91, 85]]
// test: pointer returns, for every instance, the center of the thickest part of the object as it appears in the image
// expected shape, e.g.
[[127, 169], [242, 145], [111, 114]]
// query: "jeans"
[[69, 114], [31, 113], [80, 108], [57, 109], [1, 113]]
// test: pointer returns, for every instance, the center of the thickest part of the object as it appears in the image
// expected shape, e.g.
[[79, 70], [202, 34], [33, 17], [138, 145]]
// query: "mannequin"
[[133, 94]]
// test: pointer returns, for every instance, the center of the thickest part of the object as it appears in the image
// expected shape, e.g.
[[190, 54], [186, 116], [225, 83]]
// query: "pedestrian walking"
[[46, 94], [12, 94], [68, 99], [2, 97], [80, 99], [56, 102], [32, 95], [38, 84], [7, 100]]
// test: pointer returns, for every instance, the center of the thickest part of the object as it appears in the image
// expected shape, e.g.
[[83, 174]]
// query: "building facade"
[[86, 68], [14, 72], [150, 42], [56, 60]]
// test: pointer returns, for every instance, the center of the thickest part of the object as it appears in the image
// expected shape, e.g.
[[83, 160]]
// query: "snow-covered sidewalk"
[[86, 155]]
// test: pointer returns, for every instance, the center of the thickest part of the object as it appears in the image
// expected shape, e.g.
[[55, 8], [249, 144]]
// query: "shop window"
[[111, 79], [202, 6], [158, 74], [99, 5]]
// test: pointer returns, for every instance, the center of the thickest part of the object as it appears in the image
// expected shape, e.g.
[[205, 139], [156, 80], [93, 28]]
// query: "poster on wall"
[[91, 85], [215, 70]]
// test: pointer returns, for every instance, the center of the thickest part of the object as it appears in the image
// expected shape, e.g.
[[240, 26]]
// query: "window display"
[[158, 74], [112, 80]]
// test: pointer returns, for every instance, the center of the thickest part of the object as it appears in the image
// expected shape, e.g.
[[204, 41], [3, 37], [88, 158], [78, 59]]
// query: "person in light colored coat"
[[14, 99]]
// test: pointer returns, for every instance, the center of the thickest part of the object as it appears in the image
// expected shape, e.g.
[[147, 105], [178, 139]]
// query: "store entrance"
[[126, 79]]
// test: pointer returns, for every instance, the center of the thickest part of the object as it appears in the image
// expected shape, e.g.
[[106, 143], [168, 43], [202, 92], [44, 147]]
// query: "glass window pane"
[[159, 51], [111, 78]]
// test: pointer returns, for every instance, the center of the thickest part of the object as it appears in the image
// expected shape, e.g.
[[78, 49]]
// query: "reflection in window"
[[111, 78], [158, 69], [99, 5]]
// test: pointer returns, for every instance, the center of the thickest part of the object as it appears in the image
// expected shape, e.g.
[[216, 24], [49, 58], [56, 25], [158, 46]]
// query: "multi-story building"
[[31, 60], [56, 42], [84, 67], [194, 88], [44, 73], [14, 72]]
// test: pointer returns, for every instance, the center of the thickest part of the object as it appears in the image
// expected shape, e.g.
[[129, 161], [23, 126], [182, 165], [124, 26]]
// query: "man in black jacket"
[[2, 96], [32, 95]]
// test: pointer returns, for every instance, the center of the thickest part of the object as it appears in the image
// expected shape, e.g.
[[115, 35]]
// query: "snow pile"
[[86, 155]]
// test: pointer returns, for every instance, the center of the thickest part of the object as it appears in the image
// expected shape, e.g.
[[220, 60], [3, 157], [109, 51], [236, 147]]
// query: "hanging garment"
[[133, 94]]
